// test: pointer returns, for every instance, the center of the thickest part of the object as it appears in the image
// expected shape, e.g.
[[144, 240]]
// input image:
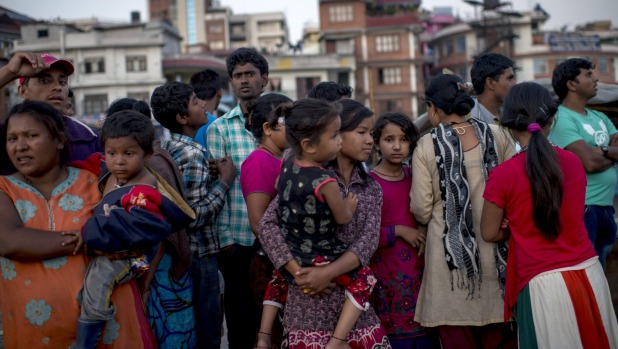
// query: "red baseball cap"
[[54, 63]]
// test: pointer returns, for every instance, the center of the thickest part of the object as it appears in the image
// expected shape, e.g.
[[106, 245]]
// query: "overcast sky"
[[298, 12]]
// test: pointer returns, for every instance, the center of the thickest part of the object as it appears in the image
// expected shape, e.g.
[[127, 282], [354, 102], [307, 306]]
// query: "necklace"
[[268, 150], [119, 185], [461, 130], [391, 176], [523, 149]]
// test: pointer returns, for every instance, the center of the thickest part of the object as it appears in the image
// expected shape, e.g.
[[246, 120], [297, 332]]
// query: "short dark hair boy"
[[129, 123], [171, 104]]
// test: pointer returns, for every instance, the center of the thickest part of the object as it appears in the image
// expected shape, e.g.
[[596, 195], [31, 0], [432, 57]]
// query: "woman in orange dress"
[[42, 207]]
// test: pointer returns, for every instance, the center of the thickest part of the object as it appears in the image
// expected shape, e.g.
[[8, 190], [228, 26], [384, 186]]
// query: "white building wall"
[[114, 46]]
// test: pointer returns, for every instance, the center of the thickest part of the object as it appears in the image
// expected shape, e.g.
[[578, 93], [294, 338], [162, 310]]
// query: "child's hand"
[[351, 201], [73, 237], [415, 237]]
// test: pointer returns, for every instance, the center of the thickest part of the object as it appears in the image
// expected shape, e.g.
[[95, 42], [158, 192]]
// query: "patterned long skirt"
[[170, 308]]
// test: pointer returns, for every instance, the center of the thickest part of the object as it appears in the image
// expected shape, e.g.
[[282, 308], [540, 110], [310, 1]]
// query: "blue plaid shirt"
[[227, 136], [205, 198]]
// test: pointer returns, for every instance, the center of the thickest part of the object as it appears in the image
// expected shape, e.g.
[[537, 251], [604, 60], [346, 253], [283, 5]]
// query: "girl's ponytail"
[[529, 107]]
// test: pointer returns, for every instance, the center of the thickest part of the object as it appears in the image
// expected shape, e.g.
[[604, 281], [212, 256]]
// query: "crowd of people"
[[487, 224]]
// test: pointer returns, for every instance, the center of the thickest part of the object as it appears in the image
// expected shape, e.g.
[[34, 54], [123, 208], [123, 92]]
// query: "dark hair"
[[306, 118], [44, 113], [488, 65], [170, 100], [243, 56], [330, 91], [129, 104], [568, 71], [399, 119], [206, 84], [528, 103], [447, 93], [262, 110], [352, 114], [129, 123]]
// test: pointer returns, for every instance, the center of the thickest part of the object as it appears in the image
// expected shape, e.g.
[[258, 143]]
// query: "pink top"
[[259, 173], [530, 253]]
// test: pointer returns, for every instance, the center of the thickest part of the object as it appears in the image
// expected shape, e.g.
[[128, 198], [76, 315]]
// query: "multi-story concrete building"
[[536, 52], [10, 24], [383, 36], [295, 75], [206, 26], [110, 62], [267, 32]]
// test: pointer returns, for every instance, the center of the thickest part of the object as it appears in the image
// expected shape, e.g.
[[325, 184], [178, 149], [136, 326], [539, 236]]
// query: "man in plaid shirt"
[[178, 109], [229, 136]]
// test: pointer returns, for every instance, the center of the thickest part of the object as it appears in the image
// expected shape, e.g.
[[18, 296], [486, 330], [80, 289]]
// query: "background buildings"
[[384, 49]]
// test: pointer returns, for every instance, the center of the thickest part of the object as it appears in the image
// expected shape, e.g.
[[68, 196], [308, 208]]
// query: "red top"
[[530, 254]]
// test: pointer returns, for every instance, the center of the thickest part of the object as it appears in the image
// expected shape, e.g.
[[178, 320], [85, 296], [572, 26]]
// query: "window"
[[448, 48], [238, 29], [216, 45], [136, 63], [387, 43], [215, 28], [541, 67], [341, 13], [191, 23], [602, 65], [304, 85], [95, 104], [42, 33], [389, 76], [268, 26], [343, 77], [460, 44], [94, 65], [390, 105], [344, 46]]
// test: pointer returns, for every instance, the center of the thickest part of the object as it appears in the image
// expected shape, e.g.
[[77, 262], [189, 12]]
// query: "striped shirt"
[[205, 198], [227, 136]]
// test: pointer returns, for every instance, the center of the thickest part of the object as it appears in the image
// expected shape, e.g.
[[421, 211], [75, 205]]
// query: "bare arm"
[[342, 209], [491, 223], [592, 157], [257, 203], [21, 64], [25, 244]]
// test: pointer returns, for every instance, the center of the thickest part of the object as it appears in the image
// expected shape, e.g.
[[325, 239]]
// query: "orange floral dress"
[[39, 299]]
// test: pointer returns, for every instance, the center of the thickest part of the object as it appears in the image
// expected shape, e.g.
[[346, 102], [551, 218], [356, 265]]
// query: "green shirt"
[[594, 128]]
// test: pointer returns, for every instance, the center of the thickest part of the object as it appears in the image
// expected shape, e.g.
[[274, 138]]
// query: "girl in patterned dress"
[[311, 207]]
